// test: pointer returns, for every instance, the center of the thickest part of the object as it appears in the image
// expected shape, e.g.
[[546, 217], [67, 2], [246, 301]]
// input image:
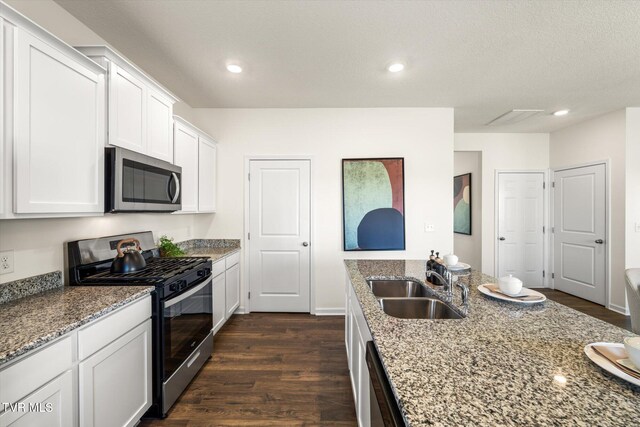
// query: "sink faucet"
[[447, 281]]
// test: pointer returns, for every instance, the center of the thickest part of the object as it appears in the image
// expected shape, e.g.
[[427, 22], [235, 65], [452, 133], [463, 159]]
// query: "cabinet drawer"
[[100, 333], [32, 372], [218, 268], [232, 260]]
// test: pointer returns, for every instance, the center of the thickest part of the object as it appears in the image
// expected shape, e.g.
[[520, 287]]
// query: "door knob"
[[599, 241], [501, 238], [305, 244]]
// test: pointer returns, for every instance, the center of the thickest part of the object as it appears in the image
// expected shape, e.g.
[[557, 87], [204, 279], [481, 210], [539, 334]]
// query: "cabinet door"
[[115, 383], [59, 131], [185, 155], [232, 283], [219, 302], [206, 176], [50, 406], [159, 126], [127, 107]]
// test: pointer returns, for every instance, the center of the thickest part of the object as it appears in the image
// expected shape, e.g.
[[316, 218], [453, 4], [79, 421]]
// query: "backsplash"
[[208, 243], [31, 285]]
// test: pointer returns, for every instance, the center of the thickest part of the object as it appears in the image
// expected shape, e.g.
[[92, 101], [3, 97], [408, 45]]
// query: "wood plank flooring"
[[271, 369], [588, 307]]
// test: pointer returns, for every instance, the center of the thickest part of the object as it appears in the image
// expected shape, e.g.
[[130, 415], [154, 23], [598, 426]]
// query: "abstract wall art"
[[373, 204], [462, 204]]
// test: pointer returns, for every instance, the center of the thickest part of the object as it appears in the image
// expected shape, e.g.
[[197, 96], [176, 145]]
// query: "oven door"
[[187, 321], [139, 183]]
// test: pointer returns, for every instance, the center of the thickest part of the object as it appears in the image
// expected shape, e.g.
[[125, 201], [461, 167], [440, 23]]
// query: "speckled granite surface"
[[497, 366], [209, 243], [31, 285], [212, 252], [30, 322]]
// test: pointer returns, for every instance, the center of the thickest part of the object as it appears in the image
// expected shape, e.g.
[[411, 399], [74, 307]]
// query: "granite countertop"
[[214, 253], [496, 366], [30, 322]]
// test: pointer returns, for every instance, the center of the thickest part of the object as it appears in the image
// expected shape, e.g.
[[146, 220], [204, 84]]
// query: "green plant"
[[168, 248]]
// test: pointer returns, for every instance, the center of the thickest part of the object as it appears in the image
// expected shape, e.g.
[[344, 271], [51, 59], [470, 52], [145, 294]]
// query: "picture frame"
[[462, 204], [373, 204]]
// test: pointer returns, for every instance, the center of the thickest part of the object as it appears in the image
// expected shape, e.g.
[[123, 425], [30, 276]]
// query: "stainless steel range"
[[182, 306]]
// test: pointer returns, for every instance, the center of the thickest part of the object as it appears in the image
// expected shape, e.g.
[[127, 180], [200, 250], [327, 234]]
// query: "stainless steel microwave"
[[138, 183]]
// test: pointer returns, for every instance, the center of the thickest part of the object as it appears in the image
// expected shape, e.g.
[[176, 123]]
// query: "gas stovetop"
[[158, 271]]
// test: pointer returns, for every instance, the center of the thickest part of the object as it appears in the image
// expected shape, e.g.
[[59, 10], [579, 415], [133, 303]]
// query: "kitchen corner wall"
[[501, 151], [599, 139], [632, 171], [423, 136]]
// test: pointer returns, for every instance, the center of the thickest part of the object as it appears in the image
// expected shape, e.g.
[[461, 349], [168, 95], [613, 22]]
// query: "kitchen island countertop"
[[504, 364]]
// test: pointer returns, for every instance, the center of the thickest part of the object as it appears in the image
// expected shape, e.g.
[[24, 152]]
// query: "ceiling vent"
[[513, 116]]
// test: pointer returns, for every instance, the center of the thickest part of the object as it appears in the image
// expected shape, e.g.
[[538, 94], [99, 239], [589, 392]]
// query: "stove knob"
[[183, 284], [174, 287]]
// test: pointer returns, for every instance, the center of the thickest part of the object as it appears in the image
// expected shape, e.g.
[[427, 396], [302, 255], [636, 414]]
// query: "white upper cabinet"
[[140, 109], [54, 124], [206, 176], [186, 156], [196, 153]]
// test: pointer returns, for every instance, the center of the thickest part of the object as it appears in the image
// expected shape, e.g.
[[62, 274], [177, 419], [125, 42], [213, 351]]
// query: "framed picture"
[[462, 204], [373, 204]]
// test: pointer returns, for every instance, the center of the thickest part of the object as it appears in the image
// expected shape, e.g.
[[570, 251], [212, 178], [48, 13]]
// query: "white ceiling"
[[481, 57]]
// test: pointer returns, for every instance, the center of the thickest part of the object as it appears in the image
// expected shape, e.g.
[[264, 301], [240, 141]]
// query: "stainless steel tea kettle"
[[129, 258]]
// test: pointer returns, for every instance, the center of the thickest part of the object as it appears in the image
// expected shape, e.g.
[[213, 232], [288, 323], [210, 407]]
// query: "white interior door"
[[579, 220], [279, 227], [520, 227]]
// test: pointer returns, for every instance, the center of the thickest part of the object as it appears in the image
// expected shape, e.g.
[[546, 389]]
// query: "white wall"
[[595, 140], [632, 171], [501, 151], [424, 137], [469, 248]]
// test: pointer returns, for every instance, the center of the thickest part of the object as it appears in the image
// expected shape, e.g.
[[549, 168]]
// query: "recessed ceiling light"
[[234, 68], [561, 113], [395, 67]]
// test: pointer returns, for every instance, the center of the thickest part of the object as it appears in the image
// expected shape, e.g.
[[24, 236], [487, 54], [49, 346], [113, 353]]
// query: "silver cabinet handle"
[[305, 244], [501, 238], [599, 241]]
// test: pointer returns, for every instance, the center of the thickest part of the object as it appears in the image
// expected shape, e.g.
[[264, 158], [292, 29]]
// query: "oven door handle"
[[168, 303]]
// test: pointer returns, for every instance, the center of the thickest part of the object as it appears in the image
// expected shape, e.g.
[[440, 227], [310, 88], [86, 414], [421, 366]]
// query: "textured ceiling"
[[481, 57]]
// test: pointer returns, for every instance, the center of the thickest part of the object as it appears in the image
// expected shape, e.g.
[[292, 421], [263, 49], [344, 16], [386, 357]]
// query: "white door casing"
[[279, 235], [580, 241], [521, 227]]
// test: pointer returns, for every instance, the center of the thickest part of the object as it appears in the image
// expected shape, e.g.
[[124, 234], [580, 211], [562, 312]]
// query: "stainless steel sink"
[[397, 288], [417, 308]]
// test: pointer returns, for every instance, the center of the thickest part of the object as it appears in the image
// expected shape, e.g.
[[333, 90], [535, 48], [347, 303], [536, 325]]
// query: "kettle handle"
[[123, 241]]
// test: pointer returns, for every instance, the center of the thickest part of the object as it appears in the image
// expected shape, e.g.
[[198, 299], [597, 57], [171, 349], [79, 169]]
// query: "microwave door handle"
[[177, 180]]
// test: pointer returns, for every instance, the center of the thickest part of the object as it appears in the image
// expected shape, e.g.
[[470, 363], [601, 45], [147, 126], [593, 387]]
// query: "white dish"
[[632, 346], [459, 266], [606, 364], [524, 291]]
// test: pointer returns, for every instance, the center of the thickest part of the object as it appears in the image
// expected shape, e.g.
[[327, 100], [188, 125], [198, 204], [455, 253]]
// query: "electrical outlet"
[[6, 262], [429, 228], [637, 227]]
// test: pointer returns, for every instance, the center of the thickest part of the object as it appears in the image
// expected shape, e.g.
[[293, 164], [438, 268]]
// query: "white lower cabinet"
[[97, 376], [115, 383], [232, 285], [50, 406], [226, 289], [219, 302], [357, 336]]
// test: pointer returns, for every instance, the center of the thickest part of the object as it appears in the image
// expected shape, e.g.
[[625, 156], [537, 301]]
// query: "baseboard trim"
[[618, 309], [240, 310], [330, 311]]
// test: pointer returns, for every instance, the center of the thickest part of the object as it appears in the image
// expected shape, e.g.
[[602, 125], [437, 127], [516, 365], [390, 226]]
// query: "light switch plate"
[[6, 262], [637, 227], [429, 228]]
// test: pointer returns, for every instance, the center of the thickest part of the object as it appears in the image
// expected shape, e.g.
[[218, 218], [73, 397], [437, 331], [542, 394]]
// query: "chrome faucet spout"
[[448, 285]]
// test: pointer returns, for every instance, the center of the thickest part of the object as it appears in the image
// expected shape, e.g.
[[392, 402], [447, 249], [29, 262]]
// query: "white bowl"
[[510, 285], [450, 259], [632, 345]]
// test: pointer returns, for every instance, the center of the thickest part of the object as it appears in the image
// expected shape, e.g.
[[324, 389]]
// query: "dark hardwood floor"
[[589, 308], [271, 369]]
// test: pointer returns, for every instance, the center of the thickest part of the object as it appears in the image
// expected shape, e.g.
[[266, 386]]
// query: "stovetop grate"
[[158, 270]]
